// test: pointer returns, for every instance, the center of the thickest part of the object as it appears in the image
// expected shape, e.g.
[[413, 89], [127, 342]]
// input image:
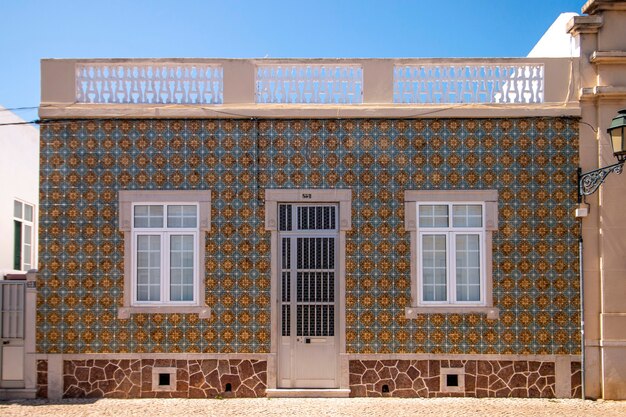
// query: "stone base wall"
[[42, 378], [576, 380], [476, 378], [190, 378]]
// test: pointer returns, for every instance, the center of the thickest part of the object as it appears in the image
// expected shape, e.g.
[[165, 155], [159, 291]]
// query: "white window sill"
[[493, 313], [203, 312]]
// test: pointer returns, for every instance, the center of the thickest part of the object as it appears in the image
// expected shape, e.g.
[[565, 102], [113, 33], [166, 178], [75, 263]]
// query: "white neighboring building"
[[19, 194], [556, 42]]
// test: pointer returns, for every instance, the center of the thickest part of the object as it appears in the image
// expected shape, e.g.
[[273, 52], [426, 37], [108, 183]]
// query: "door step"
[[17, 393], [307, 393]]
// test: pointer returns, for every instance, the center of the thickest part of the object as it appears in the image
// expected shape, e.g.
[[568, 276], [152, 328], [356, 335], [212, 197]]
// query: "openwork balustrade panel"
[[463, 83], [309, 84], [149, 83]]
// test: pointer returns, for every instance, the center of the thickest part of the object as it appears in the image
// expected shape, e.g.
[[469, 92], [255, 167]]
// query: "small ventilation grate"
[[452, 380], [164, 379]]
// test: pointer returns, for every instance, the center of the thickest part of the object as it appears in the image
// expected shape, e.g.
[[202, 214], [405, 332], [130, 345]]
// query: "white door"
[[12, 334], [308, 258]]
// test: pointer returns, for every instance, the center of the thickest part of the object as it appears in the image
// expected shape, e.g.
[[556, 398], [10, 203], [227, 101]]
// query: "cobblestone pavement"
[[361, 407]]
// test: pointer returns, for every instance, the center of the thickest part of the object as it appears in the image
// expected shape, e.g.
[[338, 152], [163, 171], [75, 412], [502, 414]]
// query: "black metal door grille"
[[311, 270]]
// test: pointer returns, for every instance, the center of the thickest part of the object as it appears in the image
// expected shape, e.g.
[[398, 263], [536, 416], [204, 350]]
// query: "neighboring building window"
[[164, 236], [165, 253], [23, 216], [451, 245]]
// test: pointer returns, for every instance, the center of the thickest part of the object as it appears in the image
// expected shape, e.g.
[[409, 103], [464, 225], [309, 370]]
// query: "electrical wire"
[[18, 108]]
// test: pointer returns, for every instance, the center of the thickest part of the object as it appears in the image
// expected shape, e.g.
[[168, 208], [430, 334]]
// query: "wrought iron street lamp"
[[589, 182]]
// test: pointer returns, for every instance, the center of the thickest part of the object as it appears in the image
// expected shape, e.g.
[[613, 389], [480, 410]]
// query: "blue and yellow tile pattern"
[[531, 162]]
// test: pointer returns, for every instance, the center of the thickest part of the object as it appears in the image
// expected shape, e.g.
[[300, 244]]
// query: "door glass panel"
[[316, 217], [284, 214], [286, 313], [285, 276], [313, 271], [315, 283]]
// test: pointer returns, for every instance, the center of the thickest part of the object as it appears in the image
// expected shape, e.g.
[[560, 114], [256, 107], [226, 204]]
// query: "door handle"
[[6, 342]]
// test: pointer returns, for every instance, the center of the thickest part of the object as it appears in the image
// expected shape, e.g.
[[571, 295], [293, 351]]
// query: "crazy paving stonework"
[[421, 378], [194, 378], [576, 380], [42, 378], [532, 163]]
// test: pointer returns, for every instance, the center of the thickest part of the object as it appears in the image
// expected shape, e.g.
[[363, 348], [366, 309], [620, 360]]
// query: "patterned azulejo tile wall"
[[531, 161]]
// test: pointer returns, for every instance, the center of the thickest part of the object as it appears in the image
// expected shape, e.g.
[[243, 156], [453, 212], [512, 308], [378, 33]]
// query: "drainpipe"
[[582, 311]]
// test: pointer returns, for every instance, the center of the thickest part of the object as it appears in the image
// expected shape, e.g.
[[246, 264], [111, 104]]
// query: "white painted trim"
[[308, 195], [53, 357], [563, 377], [55, 376], [307, 393], [451, 356], [52, 110], [443, 386], [488, 198], [127, 199], [154, 356], [274, 196], [155, 379], [30, 330], [33, 224]]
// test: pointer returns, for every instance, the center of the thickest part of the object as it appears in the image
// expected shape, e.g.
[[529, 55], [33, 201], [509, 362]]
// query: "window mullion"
[[165, 265], [451, 276], [165, 259], [482, 264], [23, 248], [196, 268], [135, 278]]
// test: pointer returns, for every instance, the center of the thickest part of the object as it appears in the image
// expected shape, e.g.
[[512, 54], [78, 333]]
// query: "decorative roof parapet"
[[302, 88]]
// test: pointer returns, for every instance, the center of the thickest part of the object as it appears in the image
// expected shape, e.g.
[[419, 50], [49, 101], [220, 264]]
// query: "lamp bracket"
[[589, 182]]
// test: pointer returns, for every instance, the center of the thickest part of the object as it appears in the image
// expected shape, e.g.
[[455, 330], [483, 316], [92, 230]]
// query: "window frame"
[[450, 232], [128, 199], [165, 233], [488, 199], [23, 223]]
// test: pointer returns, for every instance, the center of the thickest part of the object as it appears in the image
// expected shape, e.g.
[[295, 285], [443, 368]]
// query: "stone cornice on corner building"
[[584, 24], [594, 6]]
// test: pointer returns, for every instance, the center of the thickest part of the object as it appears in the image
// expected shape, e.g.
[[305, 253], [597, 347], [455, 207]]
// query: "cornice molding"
[[608, 57], [584, 24]]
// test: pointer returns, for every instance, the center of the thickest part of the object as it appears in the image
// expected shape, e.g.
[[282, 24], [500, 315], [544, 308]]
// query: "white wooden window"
[[451, 251], [165, 253], [451, 247], [23, 221]]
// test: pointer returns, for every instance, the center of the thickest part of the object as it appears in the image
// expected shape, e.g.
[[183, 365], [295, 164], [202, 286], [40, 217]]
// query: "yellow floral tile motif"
[[530, 161]]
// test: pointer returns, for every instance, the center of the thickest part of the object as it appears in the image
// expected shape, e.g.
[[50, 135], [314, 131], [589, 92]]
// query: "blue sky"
[[35, 29]]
